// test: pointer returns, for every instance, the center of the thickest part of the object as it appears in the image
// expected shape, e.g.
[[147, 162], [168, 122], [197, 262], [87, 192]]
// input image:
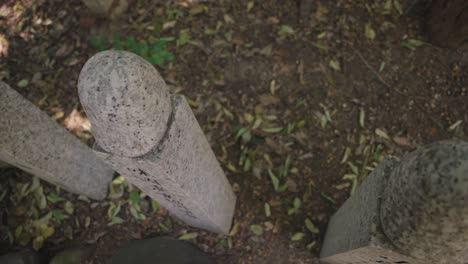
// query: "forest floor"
[[312, 94]]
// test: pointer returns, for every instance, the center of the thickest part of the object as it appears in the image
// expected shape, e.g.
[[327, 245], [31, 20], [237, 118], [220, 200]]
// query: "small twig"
[[398, 91], [378, 75]]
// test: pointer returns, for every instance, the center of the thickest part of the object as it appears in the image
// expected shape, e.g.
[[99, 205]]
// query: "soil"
[[308, 67]]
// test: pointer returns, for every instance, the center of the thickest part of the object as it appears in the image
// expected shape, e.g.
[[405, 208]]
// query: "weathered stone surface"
[[182, 174], [425, 204], [357, 224], [126, 100], [154, 140], [159, 250], [31, 141], [370, 255]]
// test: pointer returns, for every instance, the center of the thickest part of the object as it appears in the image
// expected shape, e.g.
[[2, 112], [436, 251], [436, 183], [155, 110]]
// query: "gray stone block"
[[354, 234], [425, 204], [411, 211], [31, 141], [168, 158], [370, 255]]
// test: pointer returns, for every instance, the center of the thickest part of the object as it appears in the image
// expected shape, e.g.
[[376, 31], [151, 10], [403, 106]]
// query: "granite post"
[[154, 140], [412, 210], [33, 142]]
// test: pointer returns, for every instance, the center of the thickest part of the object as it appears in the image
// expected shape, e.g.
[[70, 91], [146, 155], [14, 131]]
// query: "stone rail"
[[33, 142]]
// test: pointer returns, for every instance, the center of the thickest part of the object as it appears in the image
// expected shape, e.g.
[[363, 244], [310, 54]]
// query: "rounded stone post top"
[[424, 208], [126, 101]]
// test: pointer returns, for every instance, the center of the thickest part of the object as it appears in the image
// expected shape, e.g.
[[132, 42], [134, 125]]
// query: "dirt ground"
[[312, 93]]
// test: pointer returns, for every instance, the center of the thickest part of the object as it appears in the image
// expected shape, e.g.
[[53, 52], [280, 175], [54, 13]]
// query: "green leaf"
[[297, 203], [117, 43], [311, 227], [68, 207], [285, 30], [412, 44], [250, 5], [23, 83], [256, 229], [247, 136], [167, 55], [234, 230], [47, 232], [116, 221], [369, 32], [160, 44], [286, 167], [320, 46], [382, 66], [311, 245], [154, 206], [231, 167], [183, 38], [134, 213], [130, 43], [274, 180], [188, 236], [247, 164], [54, 198], [354, 181], [298, 236], [240, 132], [40, 198], [335, 65], [134, 197], [37, 243], [87, 221], [272, 129], [381, 133], [58, 215], [118, 180], [282, 188], [267, 210], [398, 7], [113, 210]]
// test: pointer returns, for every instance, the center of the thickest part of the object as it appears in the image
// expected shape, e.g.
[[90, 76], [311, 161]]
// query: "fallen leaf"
[[256, 229], [369, 32], [298, 236], [188, 236]]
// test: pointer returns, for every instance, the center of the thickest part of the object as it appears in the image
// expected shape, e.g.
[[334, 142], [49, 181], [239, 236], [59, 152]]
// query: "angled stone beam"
[[154, 140], [412, 210], [33, 142]]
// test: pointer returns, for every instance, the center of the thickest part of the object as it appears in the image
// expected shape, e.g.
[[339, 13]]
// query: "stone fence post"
[[154, 140], [413, 210], [32, 141]]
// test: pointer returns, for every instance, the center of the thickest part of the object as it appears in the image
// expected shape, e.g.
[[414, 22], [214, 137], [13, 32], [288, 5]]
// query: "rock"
[[159, 250]]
